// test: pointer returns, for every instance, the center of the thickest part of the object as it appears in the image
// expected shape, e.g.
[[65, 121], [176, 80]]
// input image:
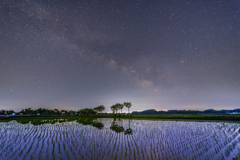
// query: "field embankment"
[[163, 117]]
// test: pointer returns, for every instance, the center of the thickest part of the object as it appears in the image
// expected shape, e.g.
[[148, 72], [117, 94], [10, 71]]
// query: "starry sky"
[[73, 54]]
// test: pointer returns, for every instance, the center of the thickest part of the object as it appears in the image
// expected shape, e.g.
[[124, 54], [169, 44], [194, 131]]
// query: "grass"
[[145, 117]]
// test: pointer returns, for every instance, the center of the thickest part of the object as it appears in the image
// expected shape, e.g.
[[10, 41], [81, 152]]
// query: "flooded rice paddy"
[[106, 138]]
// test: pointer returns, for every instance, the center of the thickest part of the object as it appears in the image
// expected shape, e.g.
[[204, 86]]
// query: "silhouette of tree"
[[128, 105], [87, 111], [99, 108], [119, 106], [114, 108]]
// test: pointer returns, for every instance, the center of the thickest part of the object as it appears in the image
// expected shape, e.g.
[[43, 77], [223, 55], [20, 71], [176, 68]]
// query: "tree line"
[[119, 106], [84, 112], [115, 108]]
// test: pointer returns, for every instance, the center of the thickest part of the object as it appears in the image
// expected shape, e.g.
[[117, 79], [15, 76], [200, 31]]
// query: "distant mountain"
[[208, 111]]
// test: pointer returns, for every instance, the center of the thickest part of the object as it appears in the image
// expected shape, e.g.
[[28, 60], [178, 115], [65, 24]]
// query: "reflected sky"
[[149, 139]]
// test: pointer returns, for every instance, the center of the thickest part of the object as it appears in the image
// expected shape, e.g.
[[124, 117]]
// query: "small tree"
[[28, 111], [99, 108], [114, 108], [87, 111], [56, 111], [40, 111], [128, 105], [82, 112], [90, 111], [62, 111], [119, 106]]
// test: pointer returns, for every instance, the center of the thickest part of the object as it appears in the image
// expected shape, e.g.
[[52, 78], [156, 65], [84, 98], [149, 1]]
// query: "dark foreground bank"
[[164, 117]]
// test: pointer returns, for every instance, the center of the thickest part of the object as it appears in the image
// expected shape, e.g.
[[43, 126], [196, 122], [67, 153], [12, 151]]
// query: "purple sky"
[[164, 55]]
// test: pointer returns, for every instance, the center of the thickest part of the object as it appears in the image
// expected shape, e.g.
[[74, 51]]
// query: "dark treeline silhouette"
[[39, 111], [209, 111], [48, 112], [115, 108], [81, 112], [6, 112]]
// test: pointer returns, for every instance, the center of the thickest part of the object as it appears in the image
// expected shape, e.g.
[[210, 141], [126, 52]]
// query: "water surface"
[[106, 138]]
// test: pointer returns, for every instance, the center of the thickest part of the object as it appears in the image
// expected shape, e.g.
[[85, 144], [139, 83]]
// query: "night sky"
[[168, 54]]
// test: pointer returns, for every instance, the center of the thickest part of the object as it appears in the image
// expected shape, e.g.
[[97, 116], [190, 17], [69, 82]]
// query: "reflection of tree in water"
[[119, 128], [98, 125], [37, 122], [83, 121], [128, 131], [91, 121]]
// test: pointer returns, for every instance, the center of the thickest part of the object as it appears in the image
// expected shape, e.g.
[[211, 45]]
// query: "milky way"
[[156, 54]]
